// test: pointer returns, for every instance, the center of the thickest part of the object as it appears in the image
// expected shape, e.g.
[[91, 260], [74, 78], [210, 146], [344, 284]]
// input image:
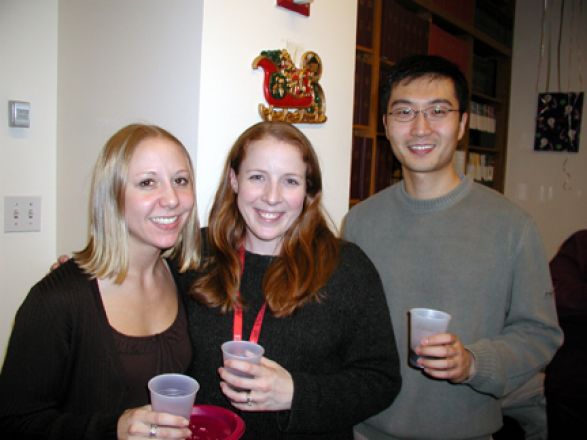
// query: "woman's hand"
[[140, 423], [271, 388]]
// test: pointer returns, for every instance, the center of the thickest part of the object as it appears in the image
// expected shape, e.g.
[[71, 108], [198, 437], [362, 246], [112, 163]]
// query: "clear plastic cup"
[[173, 393], [423, 323], [242, 351]]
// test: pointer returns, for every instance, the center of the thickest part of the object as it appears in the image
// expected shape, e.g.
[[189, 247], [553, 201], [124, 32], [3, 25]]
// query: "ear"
[[233, 181], [462, 125]]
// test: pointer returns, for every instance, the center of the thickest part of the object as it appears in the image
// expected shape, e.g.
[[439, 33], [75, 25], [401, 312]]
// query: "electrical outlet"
[[22, 214]]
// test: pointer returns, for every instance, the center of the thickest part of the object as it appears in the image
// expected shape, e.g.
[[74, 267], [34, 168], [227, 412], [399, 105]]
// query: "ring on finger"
[[153, 431], [249, 399]]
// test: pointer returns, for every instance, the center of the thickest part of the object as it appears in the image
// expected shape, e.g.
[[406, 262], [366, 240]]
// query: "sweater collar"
[[439, 203]]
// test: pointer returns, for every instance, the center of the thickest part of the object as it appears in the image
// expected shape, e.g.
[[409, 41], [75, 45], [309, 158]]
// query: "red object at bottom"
[[296, 7], [210, 422]]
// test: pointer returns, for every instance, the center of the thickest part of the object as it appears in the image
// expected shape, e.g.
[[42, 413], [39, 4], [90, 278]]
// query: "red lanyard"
[[237, 328]]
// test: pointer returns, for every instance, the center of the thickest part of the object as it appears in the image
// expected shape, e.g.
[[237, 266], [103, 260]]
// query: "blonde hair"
[[106, 253]]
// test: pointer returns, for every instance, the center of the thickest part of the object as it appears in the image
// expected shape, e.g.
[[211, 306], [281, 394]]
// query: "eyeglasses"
[[432, 113]]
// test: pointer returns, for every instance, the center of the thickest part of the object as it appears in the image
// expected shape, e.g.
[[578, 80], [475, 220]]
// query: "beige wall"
[[536, 180], [28, 56]]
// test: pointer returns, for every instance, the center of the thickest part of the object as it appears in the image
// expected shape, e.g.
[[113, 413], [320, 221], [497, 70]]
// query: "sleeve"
[[531, 334], [34, 378], [368, 379], [569, 276]]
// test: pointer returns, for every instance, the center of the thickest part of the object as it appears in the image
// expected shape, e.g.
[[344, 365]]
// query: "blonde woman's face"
[[159, 194]]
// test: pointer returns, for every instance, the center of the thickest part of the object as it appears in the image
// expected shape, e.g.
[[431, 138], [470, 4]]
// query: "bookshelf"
[[476, 35]]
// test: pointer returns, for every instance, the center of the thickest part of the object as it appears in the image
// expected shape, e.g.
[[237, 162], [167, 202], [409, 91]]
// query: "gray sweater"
[[478, 257]]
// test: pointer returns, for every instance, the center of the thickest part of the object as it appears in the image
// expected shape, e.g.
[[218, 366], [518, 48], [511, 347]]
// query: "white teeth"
[[420, 147], [269, 215], [164, 220]]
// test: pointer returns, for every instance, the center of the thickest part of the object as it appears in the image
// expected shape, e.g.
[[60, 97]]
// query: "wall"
[[28, 32], [183, 64], [538, 181], [231, 90], [119, 62]]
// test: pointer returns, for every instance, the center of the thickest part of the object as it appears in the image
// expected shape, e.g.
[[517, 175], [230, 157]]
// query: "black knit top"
[[63, 375], [340, 352]]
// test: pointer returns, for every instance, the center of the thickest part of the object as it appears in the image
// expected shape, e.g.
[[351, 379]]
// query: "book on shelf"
[[480, 167], [482, 125], [362, 153], [447, 45], [365, 23], [403, 32], [495, 18], [362, 102], [484, 74], [463, 10], [388, 170]]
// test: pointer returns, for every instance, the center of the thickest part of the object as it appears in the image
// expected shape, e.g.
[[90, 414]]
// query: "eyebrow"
[[408, 102]]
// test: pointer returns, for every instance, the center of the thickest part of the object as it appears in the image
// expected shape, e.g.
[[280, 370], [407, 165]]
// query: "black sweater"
[[62, 376], [340, 352]]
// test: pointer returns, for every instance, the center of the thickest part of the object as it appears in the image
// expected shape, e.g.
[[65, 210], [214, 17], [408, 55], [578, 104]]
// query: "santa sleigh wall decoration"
[[293, 94]]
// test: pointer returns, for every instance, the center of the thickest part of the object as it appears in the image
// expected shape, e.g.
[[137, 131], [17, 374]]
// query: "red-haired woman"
[[315, 303]]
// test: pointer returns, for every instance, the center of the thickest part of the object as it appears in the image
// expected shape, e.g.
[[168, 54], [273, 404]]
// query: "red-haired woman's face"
[[270, 188]]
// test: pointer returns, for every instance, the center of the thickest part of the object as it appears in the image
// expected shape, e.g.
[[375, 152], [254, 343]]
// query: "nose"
[[169, 197], [272, 193], [420, 125]]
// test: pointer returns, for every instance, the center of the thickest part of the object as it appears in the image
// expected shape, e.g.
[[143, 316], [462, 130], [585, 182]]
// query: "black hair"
[[419, 66]]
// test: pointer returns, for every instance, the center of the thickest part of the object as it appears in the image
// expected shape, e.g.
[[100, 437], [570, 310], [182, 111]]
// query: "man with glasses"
[[441, 241]]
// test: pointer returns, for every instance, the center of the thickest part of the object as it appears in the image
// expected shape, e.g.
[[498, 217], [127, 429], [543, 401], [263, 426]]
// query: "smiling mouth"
[[164, 220], [421, 148], [266, 215]]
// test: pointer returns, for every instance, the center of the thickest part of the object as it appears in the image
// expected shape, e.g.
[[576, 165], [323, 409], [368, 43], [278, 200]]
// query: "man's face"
[[426, 144]]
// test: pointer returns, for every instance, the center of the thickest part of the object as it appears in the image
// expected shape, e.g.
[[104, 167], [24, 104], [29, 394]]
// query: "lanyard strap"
[[237, 327]]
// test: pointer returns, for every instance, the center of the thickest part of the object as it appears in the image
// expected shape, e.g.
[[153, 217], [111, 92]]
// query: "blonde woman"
[[92, 332]]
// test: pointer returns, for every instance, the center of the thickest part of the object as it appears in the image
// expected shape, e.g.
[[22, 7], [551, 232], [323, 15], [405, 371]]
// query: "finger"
[[249, 402], [439, 339], [245, 367], [435, 351], [161, 418], [236, 394], [160, 431]]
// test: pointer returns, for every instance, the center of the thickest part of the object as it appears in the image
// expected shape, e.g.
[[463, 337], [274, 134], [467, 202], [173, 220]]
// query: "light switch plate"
[[19, 114], [22, 214]]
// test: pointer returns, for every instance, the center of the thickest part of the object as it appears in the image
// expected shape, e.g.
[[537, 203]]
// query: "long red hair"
[[309, 252]]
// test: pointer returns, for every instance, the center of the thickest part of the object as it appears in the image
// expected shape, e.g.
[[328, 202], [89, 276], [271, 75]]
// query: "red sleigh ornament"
[[294, 95]]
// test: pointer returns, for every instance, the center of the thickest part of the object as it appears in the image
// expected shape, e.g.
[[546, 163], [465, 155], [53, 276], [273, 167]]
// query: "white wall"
[[119, 62], [234, 33], [536, 180], [28, 54], [183, 64]]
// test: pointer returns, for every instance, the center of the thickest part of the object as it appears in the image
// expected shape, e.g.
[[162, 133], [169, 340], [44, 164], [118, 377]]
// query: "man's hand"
[[60, 260], [443, 356]]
